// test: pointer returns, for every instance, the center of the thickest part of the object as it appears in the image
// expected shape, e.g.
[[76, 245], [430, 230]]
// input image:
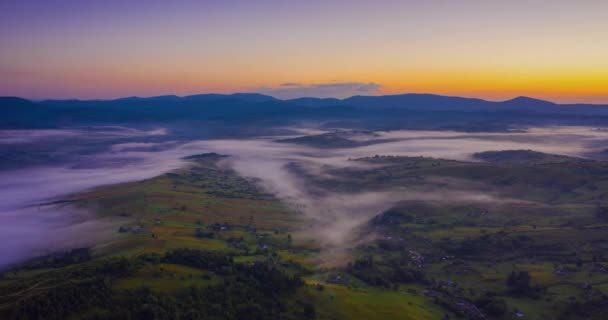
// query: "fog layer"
[[29, 226]]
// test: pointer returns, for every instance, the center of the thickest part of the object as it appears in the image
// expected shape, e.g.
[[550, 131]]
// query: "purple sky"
[[493, 49]]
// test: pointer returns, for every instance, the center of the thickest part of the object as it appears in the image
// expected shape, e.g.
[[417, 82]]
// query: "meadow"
[[522, 237]]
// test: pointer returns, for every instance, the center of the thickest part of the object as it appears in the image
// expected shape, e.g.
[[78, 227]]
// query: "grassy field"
[[552, 230], [534, 247]]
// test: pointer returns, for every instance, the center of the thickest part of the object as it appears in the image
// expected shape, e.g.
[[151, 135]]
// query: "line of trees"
[[248, 291]]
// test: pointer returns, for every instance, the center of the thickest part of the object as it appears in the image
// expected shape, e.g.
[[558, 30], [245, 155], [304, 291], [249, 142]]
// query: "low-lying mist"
[[31, 226]]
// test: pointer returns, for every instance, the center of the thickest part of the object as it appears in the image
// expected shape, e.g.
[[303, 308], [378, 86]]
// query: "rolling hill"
[[390, 111]]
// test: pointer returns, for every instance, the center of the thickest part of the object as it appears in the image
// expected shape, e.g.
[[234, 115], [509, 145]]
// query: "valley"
[[521, 236]]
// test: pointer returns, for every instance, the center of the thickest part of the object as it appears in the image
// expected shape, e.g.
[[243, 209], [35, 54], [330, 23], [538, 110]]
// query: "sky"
[[554, 50]]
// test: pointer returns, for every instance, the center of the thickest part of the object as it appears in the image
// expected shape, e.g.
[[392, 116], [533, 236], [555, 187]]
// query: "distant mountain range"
[[389, 111]]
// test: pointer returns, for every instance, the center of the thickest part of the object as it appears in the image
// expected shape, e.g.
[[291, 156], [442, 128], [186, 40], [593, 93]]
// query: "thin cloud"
[[291, 90]]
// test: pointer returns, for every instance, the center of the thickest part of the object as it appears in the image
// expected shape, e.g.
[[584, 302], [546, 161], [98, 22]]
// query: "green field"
[[527, 241]]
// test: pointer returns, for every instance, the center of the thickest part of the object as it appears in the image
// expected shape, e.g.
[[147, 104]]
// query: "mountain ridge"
[[315, 101], [388, 111]]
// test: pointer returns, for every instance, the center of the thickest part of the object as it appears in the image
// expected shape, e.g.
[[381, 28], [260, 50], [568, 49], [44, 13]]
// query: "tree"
[[519, 282]]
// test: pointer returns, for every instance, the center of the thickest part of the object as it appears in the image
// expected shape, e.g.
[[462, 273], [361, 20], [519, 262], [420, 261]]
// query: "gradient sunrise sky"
[[551, 49]]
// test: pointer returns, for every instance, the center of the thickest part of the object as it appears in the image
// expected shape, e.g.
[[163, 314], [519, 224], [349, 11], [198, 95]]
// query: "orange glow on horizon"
[[554, 50]]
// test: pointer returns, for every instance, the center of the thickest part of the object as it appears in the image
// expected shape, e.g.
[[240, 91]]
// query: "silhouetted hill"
[[523, 101], [14, 102], [165, 98], [418, 101], [316, 102], [16, 112], [528, 104], [248, 97], [364, 112]]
